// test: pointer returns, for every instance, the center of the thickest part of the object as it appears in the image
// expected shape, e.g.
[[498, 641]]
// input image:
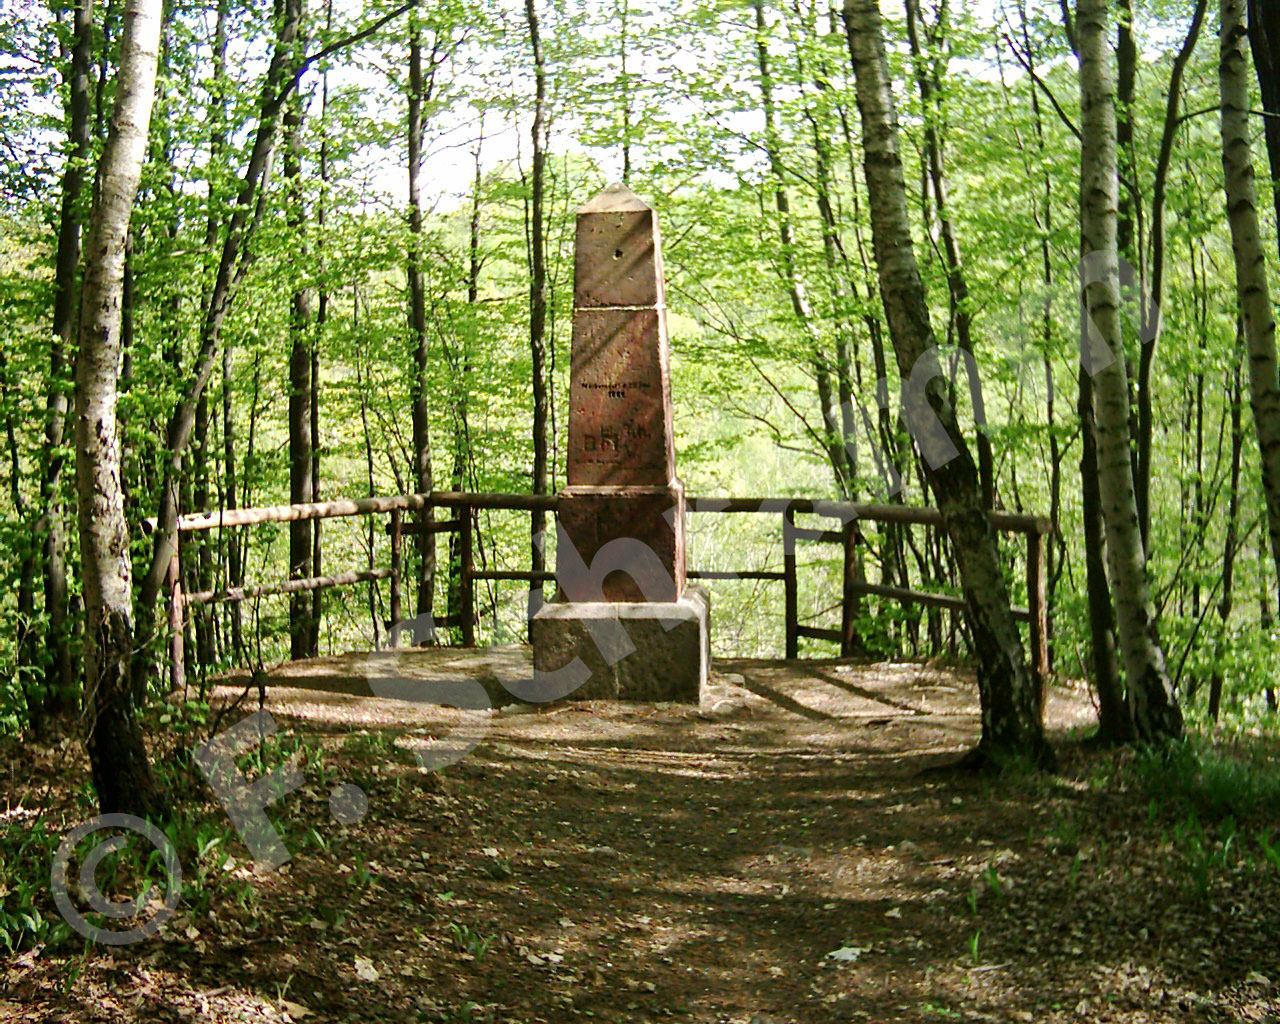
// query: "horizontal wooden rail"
[[358, 507], [287, 587], [842, 510], [525, 576], [746, 574], [873, 511], [924, 597], [819, 633], [824, 536], [433, 527]]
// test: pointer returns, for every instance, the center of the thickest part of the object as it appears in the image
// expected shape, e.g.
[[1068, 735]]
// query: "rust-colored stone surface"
[[617, 252], [646, 563], [621, 476], [619, 401]]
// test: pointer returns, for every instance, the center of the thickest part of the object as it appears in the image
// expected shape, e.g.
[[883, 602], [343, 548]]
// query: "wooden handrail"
[[849, 513], [842, 510], [341, 579]]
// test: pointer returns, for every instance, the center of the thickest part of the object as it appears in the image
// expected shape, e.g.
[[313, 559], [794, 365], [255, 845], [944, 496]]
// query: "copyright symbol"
[[93, 895]]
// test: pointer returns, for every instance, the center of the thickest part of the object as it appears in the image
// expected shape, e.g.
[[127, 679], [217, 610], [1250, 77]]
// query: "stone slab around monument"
[[642, 651]]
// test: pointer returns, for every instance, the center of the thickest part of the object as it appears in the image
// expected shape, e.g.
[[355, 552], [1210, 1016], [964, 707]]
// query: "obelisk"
[[620, 562]]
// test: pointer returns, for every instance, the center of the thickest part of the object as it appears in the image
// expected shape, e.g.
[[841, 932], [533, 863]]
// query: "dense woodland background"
[[349, 271]]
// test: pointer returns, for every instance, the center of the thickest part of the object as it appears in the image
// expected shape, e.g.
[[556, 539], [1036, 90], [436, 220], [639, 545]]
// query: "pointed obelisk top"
[[617, 198]]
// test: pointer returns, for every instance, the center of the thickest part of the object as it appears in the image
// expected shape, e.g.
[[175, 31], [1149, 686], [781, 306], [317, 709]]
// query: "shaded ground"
[[624, 863]]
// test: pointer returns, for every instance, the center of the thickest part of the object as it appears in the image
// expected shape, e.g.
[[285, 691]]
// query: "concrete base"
[[634, 651]]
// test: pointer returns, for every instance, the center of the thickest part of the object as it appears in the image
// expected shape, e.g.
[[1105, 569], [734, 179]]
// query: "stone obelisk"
[[622, 604]]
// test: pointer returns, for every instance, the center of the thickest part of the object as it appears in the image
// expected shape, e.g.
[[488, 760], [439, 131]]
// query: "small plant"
[[466, 1013], [992, 877], [1194, 777], [373, 745], [974, 956], [1269, 851], [470, 941], [972, 900], [361, 877]]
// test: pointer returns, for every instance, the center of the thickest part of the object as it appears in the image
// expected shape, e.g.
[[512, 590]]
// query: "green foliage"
[[1196, 778], [27, 915], [470, 941]]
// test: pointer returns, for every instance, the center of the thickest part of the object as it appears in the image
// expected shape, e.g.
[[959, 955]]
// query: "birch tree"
[[1250, 259], [1151, 698], [1011, 696], [121, 773]]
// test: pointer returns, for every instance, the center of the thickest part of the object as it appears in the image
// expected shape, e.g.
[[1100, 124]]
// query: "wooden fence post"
[[466, 596], [1037, 605], [851, 604], [177, 619], [393, 632], [792, 603]]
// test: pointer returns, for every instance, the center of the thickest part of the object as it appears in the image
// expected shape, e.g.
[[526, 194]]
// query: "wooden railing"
[[464, 507]]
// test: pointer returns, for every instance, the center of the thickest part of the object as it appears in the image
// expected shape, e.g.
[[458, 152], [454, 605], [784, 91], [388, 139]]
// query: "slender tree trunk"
[[462, 382], [25, 634], [624, 82], [928, 81], [833, 434], [58, 674], [202, 617], [1229, 541], [419, 397], [1115, 720], [1250, 259], [277, 86], [1011, 697], [1151, 331], [1152, 701], [322, 319], [538, 294], [302, 340], [117, 754], [1264, 39]]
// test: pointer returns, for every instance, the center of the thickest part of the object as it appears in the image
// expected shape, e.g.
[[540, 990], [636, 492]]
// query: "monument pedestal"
[[622, 608], [645, 651]]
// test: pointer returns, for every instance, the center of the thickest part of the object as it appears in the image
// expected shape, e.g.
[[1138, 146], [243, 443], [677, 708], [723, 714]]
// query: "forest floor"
[[777, 855]]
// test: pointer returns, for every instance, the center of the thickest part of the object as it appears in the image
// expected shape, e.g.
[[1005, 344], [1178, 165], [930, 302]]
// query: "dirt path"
[[635, 863]]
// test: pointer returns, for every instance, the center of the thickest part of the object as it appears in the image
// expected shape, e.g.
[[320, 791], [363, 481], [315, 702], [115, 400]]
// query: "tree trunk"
[[1264, 39], [58, 674], [278, 84], [1150, 335], [1229, 542], [931, 91], [538, 296], [1115, 720], [461, 370], [1250, 259], [322, 320], [25, 636], [419, 398], [1152, 702], [301, 336], [1011, 697], [833, 433], [117, 754]]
